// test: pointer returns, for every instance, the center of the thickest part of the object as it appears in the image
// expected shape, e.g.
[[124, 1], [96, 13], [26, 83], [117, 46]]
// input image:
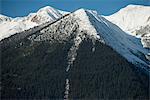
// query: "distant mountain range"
[[77, 55]]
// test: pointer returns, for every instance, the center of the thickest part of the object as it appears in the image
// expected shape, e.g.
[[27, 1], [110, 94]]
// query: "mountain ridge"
[[20, 24]]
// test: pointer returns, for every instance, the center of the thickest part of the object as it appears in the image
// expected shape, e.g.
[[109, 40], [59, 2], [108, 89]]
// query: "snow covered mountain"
[[99, 28], [127, 45], [132, 19], [10, 26], [81, 55]]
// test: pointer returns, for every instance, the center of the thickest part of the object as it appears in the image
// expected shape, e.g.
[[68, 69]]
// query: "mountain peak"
[[135, 6], [131, 18], [49, 9], [46, 8], [81, 10], [15, 25], [108, 33], [84, 22]]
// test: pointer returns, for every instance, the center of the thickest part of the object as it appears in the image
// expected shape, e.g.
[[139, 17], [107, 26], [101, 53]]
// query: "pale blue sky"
[[14, 8]]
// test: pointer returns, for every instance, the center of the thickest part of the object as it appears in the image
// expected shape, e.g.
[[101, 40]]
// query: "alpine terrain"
[[134, 20], [10, 26], [79, 55]]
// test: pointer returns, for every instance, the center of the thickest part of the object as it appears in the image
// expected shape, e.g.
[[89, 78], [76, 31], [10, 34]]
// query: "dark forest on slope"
[[37, 70], [105, 74]]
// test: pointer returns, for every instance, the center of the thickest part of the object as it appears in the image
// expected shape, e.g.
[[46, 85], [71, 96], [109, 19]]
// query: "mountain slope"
[[10, 26], [128, 46], [132, 18], [71, 58]]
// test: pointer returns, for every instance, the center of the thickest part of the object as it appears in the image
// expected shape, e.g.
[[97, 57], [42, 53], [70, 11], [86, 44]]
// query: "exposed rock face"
[[146, 40], [64, 60], [146, 44], [145, 36], [143, 30]]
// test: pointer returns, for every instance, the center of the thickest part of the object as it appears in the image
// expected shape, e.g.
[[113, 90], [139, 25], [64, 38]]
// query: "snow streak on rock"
[[66, 97], [73, 52], [82, 29]]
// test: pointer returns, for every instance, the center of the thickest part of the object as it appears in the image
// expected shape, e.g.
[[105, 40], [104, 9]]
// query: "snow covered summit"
[[131, 18], [10, 26]]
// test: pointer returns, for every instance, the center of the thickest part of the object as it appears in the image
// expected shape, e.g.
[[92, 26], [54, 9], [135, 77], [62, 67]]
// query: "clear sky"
[[14, 8]]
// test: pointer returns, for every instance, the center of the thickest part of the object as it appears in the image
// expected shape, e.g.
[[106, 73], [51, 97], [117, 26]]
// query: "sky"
[[17, 8]]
